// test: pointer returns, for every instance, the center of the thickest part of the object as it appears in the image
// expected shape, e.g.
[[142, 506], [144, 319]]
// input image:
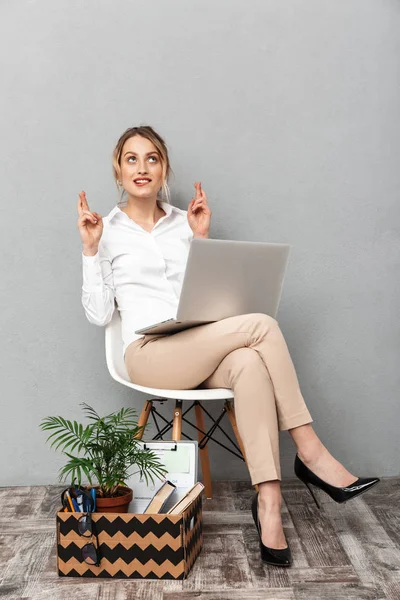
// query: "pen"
[[93, 494], [75, 505]]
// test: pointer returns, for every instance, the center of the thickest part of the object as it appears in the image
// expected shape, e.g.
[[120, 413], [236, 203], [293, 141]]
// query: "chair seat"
[[194, 394], [116, 366]]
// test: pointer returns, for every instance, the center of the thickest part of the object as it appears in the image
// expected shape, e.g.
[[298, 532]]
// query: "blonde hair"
[[147, 132]]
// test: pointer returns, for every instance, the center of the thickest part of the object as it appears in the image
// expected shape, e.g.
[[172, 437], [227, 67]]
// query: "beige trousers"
[[246, 353]]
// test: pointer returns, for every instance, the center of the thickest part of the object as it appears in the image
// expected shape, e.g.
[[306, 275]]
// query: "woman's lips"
[[140, 183]]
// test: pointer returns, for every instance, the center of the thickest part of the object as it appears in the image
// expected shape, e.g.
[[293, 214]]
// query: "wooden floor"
[[344, 551]]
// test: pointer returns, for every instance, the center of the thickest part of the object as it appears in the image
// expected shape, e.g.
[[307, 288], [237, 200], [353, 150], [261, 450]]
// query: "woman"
[[137, 255]]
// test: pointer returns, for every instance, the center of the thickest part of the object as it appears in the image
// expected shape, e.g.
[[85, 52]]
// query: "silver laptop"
[[225, 278]]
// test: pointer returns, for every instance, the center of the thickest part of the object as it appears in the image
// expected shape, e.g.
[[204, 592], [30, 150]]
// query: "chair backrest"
[[114, 348]]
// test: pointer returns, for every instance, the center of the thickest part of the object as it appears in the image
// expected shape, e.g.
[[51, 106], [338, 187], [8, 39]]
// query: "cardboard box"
[[133, 545]]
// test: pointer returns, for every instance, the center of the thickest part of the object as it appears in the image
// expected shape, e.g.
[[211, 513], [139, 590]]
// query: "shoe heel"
[[312, 494]]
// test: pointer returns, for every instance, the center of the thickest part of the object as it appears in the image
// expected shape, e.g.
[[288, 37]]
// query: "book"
[[184, 502], [160, 498]]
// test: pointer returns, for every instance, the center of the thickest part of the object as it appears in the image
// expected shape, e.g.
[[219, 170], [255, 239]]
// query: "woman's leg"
[[255, 408], [241, 371], [266, 399], [262, 376], [257, 421]]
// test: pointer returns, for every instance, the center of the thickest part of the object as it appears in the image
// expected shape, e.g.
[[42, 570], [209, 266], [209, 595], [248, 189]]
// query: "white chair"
[[116, 366]]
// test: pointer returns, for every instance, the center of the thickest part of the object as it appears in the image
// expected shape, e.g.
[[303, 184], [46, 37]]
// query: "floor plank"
[[372, 552]]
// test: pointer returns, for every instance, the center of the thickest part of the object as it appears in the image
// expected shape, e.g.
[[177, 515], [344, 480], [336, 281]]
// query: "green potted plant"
[[105, 451]]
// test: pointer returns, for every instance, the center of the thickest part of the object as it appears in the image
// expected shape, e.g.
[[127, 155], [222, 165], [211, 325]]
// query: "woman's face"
[[141, 160]]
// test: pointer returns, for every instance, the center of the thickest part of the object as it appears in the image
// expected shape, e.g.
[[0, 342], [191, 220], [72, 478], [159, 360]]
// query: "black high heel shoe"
[[281, 557], [338, 494]]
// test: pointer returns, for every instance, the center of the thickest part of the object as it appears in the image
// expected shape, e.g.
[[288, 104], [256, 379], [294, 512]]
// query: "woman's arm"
[[98, 292]]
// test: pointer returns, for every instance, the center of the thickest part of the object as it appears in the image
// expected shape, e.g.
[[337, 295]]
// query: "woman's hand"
[[199, 213], [90, 225]]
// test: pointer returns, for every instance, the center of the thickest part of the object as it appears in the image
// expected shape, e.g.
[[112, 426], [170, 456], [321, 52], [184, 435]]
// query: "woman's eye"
[[150, 157]]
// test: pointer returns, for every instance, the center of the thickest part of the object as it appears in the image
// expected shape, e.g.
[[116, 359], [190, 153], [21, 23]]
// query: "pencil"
[[68, 497]]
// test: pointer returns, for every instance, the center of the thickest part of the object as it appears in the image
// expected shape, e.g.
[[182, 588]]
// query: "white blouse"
[[143, 271]]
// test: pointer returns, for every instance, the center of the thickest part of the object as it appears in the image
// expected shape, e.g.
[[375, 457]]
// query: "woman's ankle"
[[311, 452], [269, 493], [309, 446]]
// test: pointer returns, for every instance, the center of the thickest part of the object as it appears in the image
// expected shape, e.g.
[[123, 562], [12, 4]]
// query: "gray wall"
[[288, 112]]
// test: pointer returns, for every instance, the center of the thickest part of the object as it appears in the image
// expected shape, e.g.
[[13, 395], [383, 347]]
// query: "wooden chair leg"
[[177, 434], [177, 422], [144, 417], [232, 418], [204, 457]]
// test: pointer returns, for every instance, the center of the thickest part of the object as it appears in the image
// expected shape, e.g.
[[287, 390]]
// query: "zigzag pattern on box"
[[127, 542], [196, 533], [195, 551], [192, 511], [134, 569], [189, 533], [193, 543], [134, 525], [154, 541], [120, 575], [113, 555], [126, 517]]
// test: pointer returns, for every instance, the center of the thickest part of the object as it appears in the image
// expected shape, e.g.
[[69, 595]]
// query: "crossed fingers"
[[200, 199], [83, 208]]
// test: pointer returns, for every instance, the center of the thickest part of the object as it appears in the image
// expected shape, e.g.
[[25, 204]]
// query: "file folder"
[[179, 458]]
